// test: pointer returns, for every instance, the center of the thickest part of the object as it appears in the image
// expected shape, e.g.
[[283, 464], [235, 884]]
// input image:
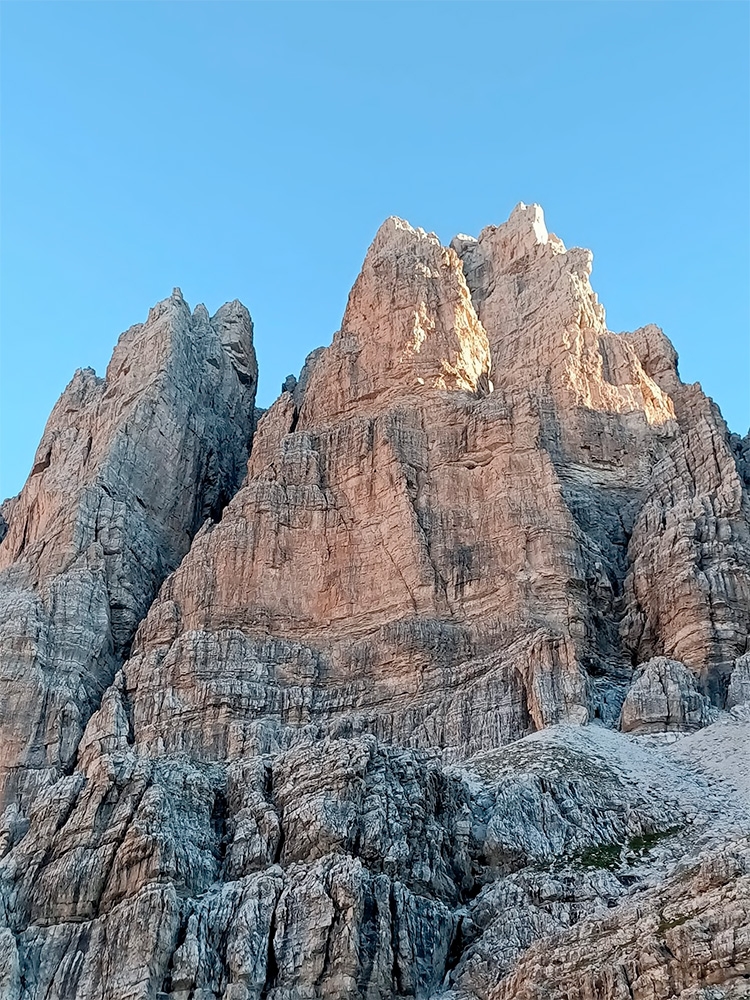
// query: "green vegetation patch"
[[612, 856]]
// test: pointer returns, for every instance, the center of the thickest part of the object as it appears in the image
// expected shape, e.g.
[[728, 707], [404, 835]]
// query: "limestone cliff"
[[447, 681], [128, 469]]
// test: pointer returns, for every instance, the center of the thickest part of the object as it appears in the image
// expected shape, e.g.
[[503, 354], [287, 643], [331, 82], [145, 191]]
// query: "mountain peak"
[[409, 326], [435, 688]]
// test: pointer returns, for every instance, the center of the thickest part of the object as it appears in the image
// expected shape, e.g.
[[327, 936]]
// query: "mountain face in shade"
[[435, 683]]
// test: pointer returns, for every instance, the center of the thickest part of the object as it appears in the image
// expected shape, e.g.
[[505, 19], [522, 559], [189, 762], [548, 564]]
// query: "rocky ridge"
[[129, 467], [443, 683]]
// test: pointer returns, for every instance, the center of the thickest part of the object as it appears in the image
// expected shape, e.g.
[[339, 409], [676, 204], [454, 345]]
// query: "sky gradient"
[[251, 150]]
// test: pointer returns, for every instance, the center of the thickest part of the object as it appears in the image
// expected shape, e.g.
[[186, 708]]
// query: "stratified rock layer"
[[438, 700], [418, 556], [128, 469]]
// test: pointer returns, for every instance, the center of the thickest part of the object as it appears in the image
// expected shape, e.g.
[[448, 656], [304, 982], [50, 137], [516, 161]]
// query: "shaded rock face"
[[739, 683], [129, 467], [664, 697], [379, 711], [686, 939]]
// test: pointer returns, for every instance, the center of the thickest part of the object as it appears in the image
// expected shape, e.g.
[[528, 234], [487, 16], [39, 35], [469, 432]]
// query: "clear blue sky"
[[250, 150]]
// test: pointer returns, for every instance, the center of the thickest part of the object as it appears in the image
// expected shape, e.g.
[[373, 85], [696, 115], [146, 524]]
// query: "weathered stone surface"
[[547, 330], [475, 563], [688, 583], [411, 546], [409, 328], [128, 469], [365, 742], [340, 868], [692, 933], [739, 683], [663, 697]]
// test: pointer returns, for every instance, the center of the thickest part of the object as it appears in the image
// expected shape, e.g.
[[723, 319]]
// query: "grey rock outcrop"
[[664, 696], [129, 467], [687, 939], [739, 682]]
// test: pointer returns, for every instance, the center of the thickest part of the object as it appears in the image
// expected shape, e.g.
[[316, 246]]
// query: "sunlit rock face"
[[451, 670], [409, 328], [433, 542]]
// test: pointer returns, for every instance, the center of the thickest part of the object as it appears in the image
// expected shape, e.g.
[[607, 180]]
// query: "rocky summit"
[[431, 681]]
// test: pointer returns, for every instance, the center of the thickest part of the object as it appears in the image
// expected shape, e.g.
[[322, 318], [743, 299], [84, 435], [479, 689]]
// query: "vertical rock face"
[[128, 469], [688, 584], [447, 535], [399, 536], [630, 444], [547, 329], [409, 328], [392, 726]]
